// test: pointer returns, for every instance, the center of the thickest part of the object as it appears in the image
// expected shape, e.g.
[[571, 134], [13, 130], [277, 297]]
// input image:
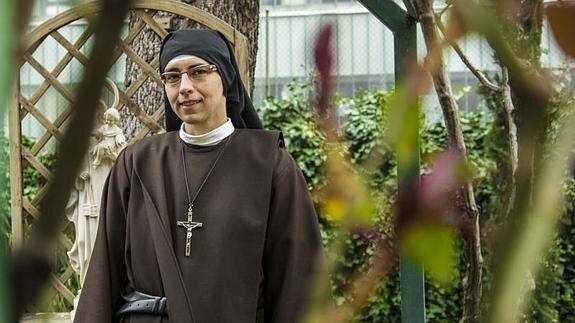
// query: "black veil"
[[212, 47]]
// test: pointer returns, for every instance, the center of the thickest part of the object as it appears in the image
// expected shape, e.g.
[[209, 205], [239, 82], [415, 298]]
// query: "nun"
[[212, 220]]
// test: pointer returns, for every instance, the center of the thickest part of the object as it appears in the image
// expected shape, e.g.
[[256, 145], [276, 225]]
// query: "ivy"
[[292, 115]]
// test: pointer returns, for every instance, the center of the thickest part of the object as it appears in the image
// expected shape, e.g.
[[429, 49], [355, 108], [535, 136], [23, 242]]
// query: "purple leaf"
[[323, 58]]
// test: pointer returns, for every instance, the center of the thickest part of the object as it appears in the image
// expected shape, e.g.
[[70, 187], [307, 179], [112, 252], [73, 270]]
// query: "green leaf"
[[432, 246]]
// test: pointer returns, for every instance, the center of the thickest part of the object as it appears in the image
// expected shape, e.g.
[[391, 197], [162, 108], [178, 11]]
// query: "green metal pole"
[[412, 292], [403, 27], [411, 276]]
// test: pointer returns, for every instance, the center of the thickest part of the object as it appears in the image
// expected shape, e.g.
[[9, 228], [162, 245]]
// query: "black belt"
[[137, 302]]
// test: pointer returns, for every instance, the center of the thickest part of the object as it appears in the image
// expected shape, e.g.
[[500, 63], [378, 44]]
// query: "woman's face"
[[197, 98]]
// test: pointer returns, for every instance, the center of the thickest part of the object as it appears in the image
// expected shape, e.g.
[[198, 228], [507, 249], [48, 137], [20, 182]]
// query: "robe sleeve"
[[106, 276], [293, 245]]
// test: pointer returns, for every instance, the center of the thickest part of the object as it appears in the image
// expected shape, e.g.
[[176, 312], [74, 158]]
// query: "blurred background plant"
[[366, 118]]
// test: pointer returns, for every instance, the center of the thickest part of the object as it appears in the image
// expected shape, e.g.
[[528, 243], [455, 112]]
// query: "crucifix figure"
[[189, 225]]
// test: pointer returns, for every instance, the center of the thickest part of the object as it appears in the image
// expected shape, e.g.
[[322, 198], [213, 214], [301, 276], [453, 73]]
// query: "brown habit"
[[254, 257]]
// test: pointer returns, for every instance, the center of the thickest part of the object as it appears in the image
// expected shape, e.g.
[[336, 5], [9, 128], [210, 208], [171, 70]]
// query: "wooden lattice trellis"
[[25, 206]]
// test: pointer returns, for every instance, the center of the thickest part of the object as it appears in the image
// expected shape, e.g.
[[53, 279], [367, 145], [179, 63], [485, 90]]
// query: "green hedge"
[[364, 133]]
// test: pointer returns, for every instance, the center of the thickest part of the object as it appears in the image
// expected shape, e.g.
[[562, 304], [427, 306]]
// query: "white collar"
[[211, 138]]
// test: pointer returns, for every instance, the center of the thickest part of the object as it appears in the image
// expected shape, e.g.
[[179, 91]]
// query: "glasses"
[[196, 73]]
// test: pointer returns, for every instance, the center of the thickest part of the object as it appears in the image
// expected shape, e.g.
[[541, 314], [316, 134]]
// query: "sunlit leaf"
[[345, 198], [432, 246], [334, 209], [404, 122]]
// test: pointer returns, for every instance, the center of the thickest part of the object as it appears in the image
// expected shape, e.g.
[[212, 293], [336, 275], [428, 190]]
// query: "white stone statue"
[[84, 205], [111, 139]]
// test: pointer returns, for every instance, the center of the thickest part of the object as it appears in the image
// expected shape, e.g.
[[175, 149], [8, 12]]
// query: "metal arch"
[[390, 14], [403, 24]]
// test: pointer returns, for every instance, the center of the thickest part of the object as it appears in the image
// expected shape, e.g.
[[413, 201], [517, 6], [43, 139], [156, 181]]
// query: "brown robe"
[[252, 261]]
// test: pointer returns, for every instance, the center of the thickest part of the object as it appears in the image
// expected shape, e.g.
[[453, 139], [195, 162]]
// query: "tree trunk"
[[472, 241], [241, 14], [531, 123]]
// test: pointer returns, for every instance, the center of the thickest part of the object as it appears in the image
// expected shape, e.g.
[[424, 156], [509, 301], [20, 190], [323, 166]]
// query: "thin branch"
[[480, 76], [473, 272]]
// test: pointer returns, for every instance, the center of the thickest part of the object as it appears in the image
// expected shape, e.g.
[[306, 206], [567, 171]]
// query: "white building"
[[363, 46]]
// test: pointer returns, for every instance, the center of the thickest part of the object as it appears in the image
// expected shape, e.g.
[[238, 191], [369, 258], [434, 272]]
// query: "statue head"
[[111, 116]]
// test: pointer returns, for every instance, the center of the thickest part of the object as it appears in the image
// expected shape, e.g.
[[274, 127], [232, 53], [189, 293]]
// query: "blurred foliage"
[[33, 181], [365, 119]]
